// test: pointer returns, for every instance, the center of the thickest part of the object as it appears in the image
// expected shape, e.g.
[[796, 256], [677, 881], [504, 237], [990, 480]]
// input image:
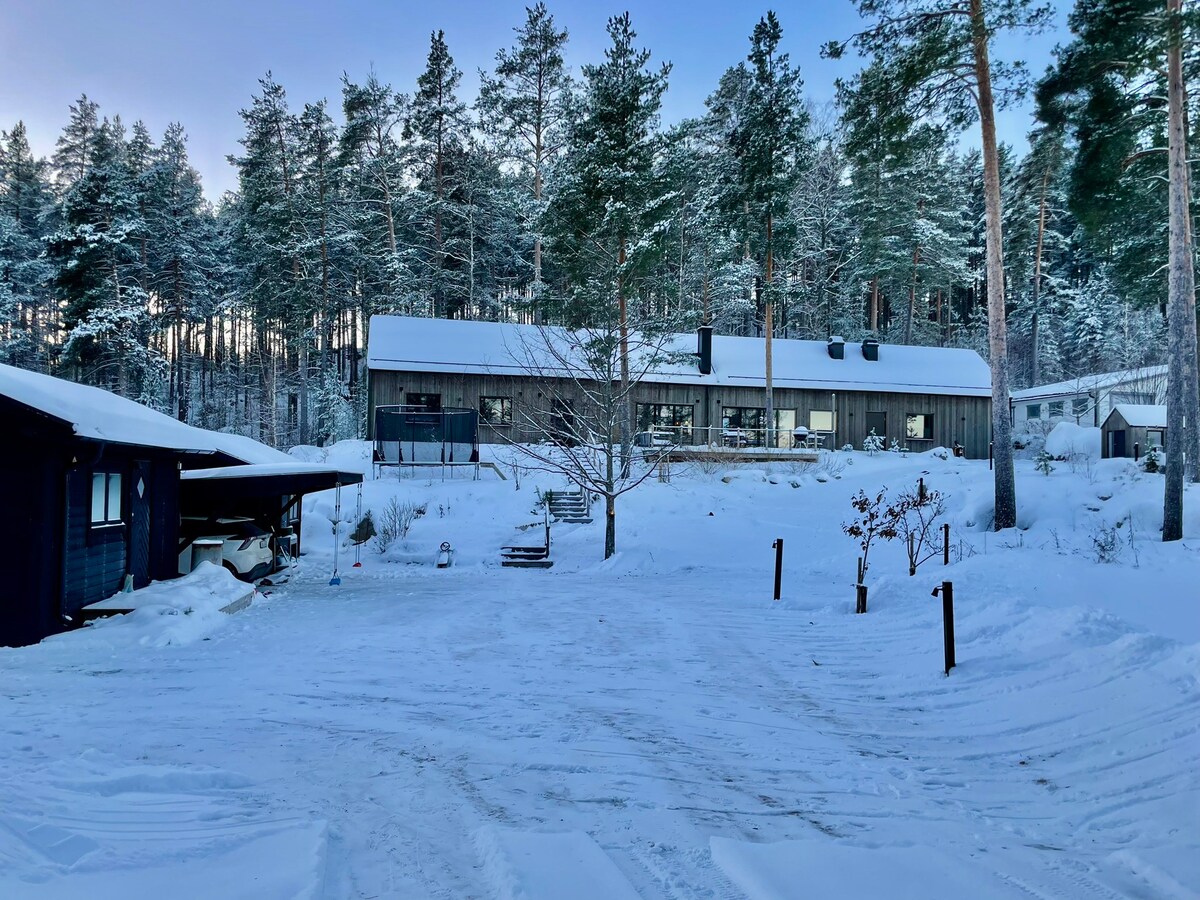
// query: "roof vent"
[[870, 348], [836, 347]]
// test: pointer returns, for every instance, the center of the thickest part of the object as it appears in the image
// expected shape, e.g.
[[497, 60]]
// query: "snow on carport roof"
[[1142, 415], [100, 415], [404, 344], [260, 470]]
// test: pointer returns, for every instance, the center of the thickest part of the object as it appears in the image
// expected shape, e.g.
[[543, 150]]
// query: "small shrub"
[[847, 448], [364, 530], [1106, 544], [1152, 462], [396, 521], [1044, 462], [872, 443]]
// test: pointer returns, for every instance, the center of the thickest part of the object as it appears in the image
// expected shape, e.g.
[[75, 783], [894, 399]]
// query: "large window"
[[918, 427], [1081, 406], [1056, 409], [106, 498], [1033, 411], [820, 420], [675, 418], [427, 402], [742, 425], [496, 410]]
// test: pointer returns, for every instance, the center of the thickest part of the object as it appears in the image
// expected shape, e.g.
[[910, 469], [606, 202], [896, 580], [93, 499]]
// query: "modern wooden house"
[[94, 496], [708, 389], [1132, 429]]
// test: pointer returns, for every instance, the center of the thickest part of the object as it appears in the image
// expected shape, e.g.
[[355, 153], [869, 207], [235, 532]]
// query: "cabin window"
[[1033, 411], [820, 420], [673, 417], [106, 498], [425, 402], [496, 410], [1056, 409], [1154, 438], [1080, 406], [918, 427]]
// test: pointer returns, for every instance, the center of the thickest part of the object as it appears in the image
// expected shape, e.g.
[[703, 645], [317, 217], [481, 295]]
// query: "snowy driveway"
[[472, 733]]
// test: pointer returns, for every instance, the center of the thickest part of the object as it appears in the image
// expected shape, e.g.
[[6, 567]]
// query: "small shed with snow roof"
[[1131, 429], [93, 496]]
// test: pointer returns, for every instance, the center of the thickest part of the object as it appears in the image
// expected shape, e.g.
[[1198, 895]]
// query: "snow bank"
[[529, 865], [1068, 439], [175, 612]]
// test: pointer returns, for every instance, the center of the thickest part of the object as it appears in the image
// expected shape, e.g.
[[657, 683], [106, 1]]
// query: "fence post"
[[945, 543], [778, 545], [947, 592]]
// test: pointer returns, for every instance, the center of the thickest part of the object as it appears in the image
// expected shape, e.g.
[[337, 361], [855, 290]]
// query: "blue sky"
[[198, 61]]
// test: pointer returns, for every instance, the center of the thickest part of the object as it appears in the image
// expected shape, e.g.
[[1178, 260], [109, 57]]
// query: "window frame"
[[926, 426], [1055, 408], [1033, 410], [813, 426], [111, 491], [505, 420], [422, 405]]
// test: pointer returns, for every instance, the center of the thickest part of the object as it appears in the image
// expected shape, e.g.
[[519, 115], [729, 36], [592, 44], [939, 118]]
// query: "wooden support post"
[[912, 567], [860, 598]]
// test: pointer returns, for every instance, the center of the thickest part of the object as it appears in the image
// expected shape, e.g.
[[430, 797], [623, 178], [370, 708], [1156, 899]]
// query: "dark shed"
[[92, 496]]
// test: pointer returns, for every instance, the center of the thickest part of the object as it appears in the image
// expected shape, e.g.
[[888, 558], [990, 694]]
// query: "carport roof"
[[263, 480]]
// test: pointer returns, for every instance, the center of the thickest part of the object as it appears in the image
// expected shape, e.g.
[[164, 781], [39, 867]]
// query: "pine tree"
[[935, 61], [438, 125], [608, 218], [526, 106]]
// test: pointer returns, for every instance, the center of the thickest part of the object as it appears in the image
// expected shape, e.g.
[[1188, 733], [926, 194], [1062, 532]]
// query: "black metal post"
[[946, 544], [1137, 451], [990, 445], [947, 592], [778, 545], [921, 489]]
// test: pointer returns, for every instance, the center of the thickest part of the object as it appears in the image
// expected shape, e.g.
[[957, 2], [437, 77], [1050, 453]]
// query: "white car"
[[246, 550]]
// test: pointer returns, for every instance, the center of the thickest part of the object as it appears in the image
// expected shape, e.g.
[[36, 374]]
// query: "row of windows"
[[680, 417], [1054, 409]]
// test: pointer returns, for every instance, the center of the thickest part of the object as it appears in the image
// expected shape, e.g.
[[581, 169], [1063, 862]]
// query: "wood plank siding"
[[966, 420]]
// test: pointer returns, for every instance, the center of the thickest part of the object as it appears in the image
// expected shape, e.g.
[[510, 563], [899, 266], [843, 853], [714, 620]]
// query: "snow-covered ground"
[[653, 726]]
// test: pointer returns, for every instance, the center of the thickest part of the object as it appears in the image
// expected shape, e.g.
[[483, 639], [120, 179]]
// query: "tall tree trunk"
[[768, 331], [1181, 291], [1005, 480], [626, 401], [1035, 372], [874, 305]]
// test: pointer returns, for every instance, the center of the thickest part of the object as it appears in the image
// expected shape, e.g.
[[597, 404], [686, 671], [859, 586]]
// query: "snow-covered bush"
[[396, 521], [872, 443], [847, 448], [1152, 462], [1044, 462]]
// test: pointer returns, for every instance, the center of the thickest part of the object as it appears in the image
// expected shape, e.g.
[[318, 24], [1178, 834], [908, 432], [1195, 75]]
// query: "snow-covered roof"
[[259, 470], [404, 344], [1141, 415], [101, 415], [1086, 384]]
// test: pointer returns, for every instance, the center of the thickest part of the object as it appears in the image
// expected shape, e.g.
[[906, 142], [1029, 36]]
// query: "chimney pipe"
[[836, 347], [870, 350], [704, 336]]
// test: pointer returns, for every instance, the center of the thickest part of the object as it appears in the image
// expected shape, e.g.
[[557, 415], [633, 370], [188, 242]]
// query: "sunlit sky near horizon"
[[199, 62]]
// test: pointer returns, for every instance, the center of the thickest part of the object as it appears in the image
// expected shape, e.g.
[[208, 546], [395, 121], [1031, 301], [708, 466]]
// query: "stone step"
[[527, 563]]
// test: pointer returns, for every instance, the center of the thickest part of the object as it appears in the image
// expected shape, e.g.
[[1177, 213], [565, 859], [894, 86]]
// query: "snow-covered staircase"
[[569, 506]]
